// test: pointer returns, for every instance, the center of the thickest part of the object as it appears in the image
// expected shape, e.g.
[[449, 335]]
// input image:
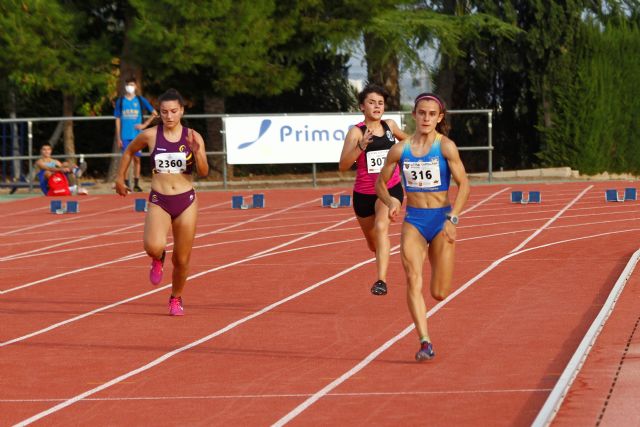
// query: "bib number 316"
[[422, 174]]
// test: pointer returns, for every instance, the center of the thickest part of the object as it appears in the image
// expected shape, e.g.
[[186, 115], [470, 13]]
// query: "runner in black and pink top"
[[175, 150], [367, 145]]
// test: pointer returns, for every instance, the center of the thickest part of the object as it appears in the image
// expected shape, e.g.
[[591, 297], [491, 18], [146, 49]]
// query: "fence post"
[[223, 131], [30, 152], [490, 126], [315, 180]]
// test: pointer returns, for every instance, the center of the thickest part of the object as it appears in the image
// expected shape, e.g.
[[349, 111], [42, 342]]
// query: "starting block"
[[257, 201], [344, 201], [630, 194], [140, 205], [58, 207], [73, 207], [611, 195], [532, 197]]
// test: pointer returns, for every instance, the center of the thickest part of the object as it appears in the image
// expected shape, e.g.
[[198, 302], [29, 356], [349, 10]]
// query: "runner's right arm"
[[354, 144], [393, 158]]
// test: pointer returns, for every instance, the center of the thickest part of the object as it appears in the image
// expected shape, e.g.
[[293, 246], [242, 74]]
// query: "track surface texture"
[[280, 326]]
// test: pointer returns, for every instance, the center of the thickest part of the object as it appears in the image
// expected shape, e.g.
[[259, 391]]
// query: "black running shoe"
[[137, 189], [426, 352], [379, 288]]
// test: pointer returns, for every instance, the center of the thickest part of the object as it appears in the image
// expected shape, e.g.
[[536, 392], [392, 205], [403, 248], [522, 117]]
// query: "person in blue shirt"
[[129, 122], [428, 160]]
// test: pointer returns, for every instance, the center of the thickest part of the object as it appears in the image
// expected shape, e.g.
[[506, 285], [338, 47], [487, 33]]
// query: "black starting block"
[[532, 197], [257, 201]]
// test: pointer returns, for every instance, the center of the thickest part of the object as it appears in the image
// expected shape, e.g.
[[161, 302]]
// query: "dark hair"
[[443, 126], [372, 88], [46, 144], [171, 95], [130, 79]]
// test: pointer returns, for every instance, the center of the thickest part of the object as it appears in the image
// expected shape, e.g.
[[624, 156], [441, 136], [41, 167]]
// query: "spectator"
[[129, 122], [47, 166]]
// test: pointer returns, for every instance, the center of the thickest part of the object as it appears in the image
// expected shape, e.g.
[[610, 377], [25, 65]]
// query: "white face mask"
[[130, 89]]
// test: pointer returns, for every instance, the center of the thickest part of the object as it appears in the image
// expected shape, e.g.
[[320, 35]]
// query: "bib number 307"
[[375, 160], [171, 162]]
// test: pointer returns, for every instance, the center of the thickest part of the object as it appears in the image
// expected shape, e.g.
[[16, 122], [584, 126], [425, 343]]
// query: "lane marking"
[[140, 254], [73, 218], [35, 252], [556, 216], [229, 327], [373, 355], [556, 397], [287, 395], [306, 236], [136, 297]]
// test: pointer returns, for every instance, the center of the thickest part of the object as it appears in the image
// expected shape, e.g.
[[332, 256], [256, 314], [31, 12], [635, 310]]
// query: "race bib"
[[171, 162], [422, 174], [375, 160]]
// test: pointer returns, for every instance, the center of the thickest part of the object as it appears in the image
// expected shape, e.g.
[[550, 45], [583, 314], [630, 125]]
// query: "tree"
[[216, 48], [47, 48]]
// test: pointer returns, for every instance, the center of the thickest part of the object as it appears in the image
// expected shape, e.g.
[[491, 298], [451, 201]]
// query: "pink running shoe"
[[175, 306], [155, 274]]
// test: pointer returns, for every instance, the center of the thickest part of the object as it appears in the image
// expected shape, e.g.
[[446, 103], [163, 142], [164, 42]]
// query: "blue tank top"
[[429, 173], [172, 157]]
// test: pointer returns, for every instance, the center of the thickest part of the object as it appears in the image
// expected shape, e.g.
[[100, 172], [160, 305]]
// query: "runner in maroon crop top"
[[367, 145], [175, 150]]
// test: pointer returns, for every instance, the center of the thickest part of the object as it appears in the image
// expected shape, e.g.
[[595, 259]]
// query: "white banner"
[[289, 139]]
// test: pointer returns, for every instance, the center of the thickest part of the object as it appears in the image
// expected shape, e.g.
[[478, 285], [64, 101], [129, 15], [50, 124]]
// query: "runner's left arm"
[[196, 143], [459, 175], [153, 115], [397, 132]]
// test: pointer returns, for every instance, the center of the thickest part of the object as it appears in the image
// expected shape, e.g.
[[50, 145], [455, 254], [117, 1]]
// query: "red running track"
[[280, 326]]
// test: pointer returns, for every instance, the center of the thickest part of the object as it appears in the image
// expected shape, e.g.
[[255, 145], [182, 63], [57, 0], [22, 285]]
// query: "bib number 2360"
[[171, 162]]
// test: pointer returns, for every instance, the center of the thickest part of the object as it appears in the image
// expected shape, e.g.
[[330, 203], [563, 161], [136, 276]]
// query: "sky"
[[410, 84]]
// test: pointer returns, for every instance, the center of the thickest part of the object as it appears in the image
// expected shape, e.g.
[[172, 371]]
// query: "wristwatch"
[[453, 218]]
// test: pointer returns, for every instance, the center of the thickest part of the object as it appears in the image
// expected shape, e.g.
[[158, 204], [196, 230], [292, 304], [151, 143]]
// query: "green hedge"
[[596, 124]]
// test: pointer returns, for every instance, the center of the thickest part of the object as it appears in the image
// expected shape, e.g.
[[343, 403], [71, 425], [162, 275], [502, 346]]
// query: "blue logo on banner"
[[264, 126]]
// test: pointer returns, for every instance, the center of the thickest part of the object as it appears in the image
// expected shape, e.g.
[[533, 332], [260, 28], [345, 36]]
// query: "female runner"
[[175, 150], [367, 144], [427, 159]]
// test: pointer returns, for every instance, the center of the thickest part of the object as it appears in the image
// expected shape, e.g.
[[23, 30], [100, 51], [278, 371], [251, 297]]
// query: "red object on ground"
[[58, 185]]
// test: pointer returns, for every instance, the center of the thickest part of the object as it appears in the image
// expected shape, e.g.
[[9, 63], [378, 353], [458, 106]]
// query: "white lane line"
[[306, 236], [47, 224], [136, 297], [36, 252], [556, 216], [189, 346], [373, 355], [556, 397], [286, 395], [39, 251], [139, 254], [166, 356]]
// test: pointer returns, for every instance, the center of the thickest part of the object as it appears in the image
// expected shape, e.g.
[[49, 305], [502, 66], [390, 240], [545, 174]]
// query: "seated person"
[[48, 166]]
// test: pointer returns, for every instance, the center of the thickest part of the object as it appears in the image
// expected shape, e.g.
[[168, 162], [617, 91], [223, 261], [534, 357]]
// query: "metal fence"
[[29, 155]]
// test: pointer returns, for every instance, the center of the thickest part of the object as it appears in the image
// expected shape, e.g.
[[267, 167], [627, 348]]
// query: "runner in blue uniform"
[[427, 161]]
